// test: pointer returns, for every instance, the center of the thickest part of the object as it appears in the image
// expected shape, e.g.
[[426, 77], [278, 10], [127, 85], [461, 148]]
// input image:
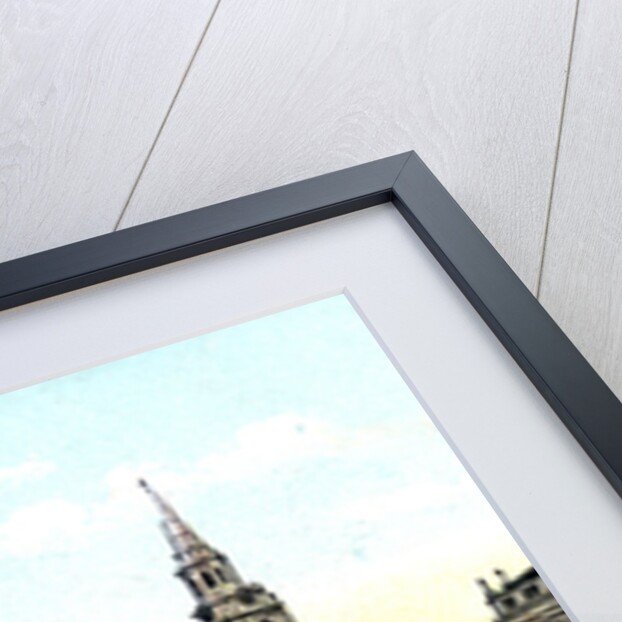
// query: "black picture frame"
[[572, 388]]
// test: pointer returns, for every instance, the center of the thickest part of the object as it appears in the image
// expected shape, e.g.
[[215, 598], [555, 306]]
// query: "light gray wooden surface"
[[108, 119], [582, 277], [84, 87], [282, 91]]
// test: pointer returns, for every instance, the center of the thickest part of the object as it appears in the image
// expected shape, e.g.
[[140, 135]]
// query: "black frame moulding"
[[581, 399]]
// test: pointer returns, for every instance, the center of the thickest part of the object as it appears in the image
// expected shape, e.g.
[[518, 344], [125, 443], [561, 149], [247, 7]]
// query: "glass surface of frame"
[[547, 491]]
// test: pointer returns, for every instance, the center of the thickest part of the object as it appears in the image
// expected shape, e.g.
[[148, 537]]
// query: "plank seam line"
[[167, 115], [547, 218]]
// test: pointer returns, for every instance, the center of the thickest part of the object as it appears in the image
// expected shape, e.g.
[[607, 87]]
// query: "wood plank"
[[84, 87], [283, 91], [582, 276]]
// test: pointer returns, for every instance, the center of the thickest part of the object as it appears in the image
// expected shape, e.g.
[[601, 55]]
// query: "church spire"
[[220, 593], [180, 536]]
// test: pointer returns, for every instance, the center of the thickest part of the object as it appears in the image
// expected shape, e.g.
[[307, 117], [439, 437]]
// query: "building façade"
[[524, 598]]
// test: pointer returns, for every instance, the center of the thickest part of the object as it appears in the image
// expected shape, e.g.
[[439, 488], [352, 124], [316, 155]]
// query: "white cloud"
[[59, 525], [26, 471], [255, 449], [411, 499], [265, 445], [50, 526], [283, 440]]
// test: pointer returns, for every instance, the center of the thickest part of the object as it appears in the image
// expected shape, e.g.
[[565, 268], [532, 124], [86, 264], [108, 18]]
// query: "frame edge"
[[153, 244], [571, 387], [569, 384]]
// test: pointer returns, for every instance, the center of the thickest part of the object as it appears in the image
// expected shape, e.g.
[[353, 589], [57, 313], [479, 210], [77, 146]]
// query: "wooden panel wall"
[[582, 276], [281, 91], [114, 114], [84, 87]]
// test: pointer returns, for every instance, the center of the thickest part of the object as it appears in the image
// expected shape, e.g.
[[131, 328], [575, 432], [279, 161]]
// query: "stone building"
[[220, 593], [524, 598]]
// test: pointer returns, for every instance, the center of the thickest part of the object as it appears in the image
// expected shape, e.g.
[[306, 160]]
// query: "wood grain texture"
[[84, 87], [582, 275], [282, 91]]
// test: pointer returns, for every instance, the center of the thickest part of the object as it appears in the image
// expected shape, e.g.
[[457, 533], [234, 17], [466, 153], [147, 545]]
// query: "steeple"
[[186, 544], [218, 589]]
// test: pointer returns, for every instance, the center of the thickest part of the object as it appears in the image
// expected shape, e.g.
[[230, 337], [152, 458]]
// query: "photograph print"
[[279, 470]]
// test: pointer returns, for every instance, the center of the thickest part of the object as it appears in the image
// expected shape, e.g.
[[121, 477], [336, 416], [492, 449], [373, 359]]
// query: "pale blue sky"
[[289, 442]]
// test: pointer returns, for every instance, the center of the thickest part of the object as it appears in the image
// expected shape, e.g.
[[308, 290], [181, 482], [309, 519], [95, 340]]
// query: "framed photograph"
[[338, 383]]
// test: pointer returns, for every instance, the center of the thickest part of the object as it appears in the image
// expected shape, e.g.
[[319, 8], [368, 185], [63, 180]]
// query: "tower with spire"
[[220, 593]]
